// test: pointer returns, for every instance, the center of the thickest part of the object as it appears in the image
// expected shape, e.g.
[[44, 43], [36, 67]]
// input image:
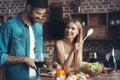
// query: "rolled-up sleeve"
[[4, 38]]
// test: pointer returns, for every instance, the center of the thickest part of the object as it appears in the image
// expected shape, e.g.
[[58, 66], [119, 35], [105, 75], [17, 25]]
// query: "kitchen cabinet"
[[1, 19], [99, 33], [97, 21], [2, 72], [105, 25], [114, 25]]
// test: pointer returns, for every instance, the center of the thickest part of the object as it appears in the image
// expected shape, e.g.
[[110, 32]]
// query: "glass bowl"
[[92, 69]]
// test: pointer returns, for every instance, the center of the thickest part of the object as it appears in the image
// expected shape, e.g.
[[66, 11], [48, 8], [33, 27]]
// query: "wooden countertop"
[[39, 78], [106, 76]]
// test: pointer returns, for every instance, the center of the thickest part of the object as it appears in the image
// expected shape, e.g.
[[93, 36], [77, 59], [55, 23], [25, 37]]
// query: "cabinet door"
[[2, 73], [99, 33], [114, 25], [97, 19], [84, 31], [1, 19], [114, 32]]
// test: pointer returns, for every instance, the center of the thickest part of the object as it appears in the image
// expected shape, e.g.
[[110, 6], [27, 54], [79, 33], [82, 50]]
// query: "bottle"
[[112, 61], [93, 57]]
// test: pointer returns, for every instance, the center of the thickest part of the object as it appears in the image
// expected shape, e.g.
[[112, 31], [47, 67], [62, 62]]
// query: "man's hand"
[[56, 65], [30, 62]]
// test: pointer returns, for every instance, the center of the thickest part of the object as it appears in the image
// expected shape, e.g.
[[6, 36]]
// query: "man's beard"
[[32, 20]]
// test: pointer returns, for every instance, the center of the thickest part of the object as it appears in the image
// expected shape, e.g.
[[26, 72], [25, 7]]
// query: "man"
[[21, 41]]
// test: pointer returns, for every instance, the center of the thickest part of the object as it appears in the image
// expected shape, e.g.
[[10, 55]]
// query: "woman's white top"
[[63, 50]]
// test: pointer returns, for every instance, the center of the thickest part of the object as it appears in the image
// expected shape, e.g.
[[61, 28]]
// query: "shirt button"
[[40, 38], [19, 39]]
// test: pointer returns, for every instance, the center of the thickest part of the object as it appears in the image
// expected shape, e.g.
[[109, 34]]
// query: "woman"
[[69, 50]]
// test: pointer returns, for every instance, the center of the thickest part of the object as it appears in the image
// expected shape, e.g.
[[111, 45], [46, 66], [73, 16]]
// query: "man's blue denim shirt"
[[15, 41]]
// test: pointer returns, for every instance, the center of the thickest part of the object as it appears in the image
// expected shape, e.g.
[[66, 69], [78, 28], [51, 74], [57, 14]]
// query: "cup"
[[112, 22], [117, 21], [83, 23]]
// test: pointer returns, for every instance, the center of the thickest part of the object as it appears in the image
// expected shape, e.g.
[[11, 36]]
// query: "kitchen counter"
[[106, 76], [39, 78]]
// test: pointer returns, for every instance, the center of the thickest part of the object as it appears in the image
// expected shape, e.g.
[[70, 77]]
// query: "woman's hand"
[[78, 45], [30, 62], [78, 55]]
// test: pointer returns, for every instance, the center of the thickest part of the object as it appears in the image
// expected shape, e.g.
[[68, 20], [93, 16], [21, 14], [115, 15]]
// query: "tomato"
[[87, 75]]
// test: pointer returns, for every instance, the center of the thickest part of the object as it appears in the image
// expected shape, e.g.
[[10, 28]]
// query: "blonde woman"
[[69, 50]]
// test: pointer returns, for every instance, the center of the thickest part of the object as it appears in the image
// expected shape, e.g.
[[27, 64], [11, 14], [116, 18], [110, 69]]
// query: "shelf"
[[97, 19], [114, 32], [114, 25], [91, 19], [99, 33], [105, 25], [102, 26], [114, 18]]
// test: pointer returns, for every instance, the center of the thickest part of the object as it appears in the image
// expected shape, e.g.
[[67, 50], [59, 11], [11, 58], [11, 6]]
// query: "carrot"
[[70, 73]]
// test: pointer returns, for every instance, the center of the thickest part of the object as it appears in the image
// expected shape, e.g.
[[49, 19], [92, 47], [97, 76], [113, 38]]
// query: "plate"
[[47, 72], [46, 75]]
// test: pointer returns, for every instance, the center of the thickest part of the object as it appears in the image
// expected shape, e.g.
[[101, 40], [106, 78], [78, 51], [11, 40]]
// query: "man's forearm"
[[15, 59]]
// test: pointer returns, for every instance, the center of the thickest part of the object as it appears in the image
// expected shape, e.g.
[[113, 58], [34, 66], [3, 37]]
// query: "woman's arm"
[[78, 55], [67, 63]]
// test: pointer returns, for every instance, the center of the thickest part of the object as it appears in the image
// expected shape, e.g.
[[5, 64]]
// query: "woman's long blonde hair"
[[79, 37]]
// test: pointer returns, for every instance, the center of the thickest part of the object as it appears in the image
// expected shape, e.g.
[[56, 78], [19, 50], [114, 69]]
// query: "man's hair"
[[38, 3]]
